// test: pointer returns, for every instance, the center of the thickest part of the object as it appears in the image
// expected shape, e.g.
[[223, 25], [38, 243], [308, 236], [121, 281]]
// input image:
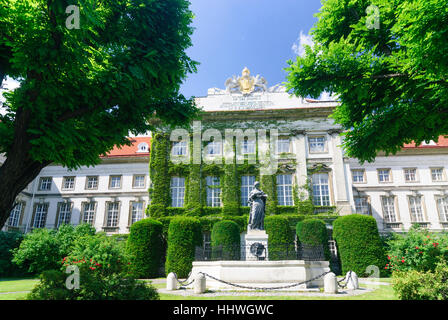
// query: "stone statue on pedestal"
[[257, 203]]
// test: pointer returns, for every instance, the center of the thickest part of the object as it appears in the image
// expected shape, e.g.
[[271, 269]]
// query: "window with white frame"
[[317, 144], [115, 182], [415, 208], [139, 181], [92, 182], [88, 213], [437, 174], [45, 184], [442, 205], [388, 204], [213, 190], [40, 215], [177, 191], [136, 211], [248, 146], [143, 147], [179, 148], [64, 214], [283, 145], [284, 190], [112, 214], [321, 189], [68, 183], [358, 175], [362, 205], [410, 174], [14, 217], [247, 183], [384, 175], [214, 147]]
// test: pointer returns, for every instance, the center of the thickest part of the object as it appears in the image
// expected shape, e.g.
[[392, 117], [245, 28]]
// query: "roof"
[[130, 151], [441, 143]]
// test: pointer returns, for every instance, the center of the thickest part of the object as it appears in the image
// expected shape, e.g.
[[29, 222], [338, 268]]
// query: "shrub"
[[8, 242], [42, 249], [314, 232], [184, 234], [420, 285], [359, 243], [418, 250], [305, 207], [144, 246], [226, 234], [281, 238], [103, 275]]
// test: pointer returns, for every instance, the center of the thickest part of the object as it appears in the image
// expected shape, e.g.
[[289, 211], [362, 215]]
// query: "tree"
[[82, 90], [387, 62]]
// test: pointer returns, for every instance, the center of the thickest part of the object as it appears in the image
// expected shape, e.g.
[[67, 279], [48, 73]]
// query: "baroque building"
[[247, 132]]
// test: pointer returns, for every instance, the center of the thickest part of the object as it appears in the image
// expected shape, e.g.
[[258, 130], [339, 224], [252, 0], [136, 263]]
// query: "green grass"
[[14, 284]]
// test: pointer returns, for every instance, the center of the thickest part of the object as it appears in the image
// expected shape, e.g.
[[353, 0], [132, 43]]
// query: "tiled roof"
[[441, 143], [129, 151]]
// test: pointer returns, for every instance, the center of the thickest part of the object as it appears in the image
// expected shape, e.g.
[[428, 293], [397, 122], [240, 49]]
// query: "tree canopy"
[[390, 77], [85, 84]]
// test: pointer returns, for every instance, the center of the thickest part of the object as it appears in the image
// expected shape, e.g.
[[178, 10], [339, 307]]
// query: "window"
[[384, 175], [388, 204], [143, 147], [88, 214], [415, 207], [442, 205], [177, 191], [284, 190], [214, 147], [283, 145], [321, 189], [136, 211], [317, 144], [362, 205], [358, 175], [40, 215], [248, 147], [410, 174], [179, 148], [437, 174], [213, 191], [115, 182], [112, 214], [14, 217], [68, 183], [92, 182], [64, 214], [139, 181], [45, 184], [247, 183]]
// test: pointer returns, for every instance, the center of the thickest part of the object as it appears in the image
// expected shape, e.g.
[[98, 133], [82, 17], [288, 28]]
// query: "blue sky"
[[259, 34]]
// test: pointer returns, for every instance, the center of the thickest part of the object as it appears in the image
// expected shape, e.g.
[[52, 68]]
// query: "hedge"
[[226, 234], [184, 234], [359, 244], [8, 242], [281, 237], [144, 246], [314, 232]]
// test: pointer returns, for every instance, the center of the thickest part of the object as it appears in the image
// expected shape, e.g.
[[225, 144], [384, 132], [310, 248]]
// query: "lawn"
[[12, 289]]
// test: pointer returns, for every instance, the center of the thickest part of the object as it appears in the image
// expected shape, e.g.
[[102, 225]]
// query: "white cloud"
[[303, 39]]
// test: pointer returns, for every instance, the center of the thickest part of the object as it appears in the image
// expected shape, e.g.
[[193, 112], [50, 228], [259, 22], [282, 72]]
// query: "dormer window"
[[143, 147]]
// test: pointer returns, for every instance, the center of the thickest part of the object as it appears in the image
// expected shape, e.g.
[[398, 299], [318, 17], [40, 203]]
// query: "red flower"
[[402, 260], [92, 268], [416, 247]]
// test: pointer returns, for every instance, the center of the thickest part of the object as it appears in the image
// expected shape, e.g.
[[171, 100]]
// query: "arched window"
[[143, 147]]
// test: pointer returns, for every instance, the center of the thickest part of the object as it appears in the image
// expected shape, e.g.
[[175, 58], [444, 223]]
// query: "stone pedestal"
[[255, 246]]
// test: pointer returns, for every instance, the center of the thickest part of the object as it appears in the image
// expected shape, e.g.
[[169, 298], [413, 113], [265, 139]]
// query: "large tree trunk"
[[19, 169]]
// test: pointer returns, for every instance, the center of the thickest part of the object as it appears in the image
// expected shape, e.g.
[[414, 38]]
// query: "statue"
[[257, 203]]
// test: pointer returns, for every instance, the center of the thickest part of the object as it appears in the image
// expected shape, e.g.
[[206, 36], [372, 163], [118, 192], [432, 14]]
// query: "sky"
[[258, 34]]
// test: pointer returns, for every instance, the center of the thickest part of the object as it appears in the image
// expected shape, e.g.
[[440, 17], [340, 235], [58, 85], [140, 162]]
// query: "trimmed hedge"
[[184, 234], [314, 232], [281, 237], [8, 242], [359, 244], [144, 246], [226, 233]]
